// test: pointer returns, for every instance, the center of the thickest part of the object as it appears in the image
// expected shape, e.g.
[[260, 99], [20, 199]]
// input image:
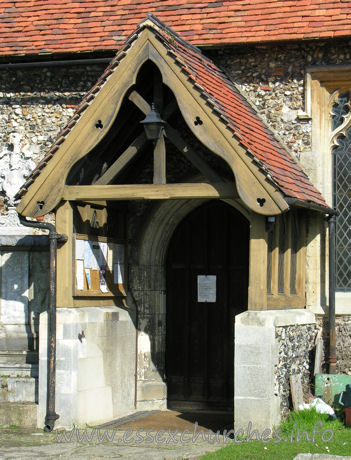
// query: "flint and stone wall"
[[296, 346], [35, 104], [273, 79]]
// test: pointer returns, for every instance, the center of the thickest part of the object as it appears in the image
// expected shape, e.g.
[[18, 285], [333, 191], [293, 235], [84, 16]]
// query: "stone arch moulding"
[[154, 240], [152, 245], [102, 105]]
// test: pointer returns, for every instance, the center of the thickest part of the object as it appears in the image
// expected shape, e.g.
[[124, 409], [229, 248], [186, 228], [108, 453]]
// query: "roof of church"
[[227, 103], [63, 26]]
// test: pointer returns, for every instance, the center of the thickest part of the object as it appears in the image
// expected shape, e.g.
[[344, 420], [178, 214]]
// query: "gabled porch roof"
[[271, 166]]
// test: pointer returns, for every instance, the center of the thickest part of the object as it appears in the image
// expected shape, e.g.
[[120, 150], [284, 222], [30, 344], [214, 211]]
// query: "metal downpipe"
[[332, 335], [54, 237]]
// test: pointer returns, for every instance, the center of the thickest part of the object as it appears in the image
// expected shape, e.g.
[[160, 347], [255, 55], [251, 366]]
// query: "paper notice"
[[80, 275], [206, 288], [103, 285], [80, 247], [103, 254], [87, 275], [88, 254], [118, 270], [110, 248]]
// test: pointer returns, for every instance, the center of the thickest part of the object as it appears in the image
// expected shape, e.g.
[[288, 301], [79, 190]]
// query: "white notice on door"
[[206, 288]]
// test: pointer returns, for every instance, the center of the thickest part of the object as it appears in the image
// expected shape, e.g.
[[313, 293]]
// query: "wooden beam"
[[148, 191], [287, 254], [275, 258], [257, 295], [136, 145], [122, 160], [194, 158], [301, 259], [65, 274], [169, 109], [160, 160], [145, 107], [174, 136], [140, 102], [285, 302]]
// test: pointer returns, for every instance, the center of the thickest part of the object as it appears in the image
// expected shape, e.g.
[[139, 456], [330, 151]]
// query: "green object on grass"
[[337, 383]]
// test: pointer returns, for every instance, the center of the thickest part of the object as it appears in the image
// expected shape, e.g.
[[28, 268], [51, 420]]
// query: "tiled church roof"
[[227, 103], [62, 26]]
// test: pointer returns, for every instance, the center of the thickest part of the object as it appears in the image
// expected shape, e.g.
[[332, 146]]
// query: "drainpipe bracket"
[[61, 238]]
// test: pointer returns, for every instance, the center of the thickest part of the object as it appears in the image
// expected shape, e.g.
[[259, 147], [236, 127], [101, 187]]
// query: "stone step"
[[18, 414], [18, 389], [18, 357], [19, 370]]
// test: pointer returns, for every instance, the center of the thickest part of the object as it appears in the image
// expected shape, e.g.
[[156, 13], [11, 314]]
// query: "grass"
[[303, 432]]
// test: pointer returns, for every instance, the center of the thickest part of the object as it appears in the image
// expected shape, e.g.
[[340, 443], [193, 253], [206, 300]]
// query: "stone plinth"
[[256, 391], [95, 366]]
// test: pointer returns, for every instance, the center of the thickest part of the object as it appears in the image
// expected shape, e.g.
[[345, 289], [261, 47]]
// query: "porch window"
[[286, 264]]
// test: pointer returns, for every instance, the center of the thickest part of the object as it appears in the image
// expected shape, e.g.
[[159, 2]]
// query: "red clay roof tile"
[[202, 23]]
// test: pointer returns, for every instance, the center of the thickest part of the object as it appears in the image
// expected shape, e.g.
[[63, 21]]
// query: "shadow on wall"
[[24, 291]]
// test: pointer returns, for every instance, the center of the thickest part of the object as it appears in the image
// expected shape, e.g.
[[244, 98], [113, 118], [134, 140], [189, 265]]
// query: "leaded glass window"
[[342, 188]]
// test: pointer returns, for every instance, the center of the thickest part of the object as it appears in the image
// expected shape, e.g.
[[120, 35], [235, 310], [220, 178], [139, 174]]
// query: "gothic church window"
[[341, 158]]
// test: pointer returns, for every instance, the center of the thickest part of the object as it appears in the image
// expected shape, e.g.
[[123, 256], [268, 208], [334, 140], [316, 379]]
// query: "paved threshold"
[[90, 444], [157, 435]]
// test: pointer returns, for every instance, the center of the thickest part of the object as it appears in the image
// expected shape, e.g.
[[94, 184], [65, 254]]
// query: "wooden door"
[[212, 240]]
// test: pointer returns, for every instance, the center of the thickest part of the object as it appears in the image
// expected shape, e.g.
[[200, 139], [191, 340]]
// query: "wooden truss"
[[250, 186]]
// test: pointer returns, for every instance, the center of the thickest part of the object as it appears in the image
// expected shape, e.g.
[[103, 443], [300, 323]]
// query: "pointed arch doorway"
[[212, 240]]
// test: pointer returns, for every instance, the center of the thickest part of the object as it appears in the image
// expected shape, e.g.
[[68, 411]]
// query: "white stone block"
[[256, 354], [95, 375], [252, 353], [253, 381], [14, 288], [91, 373], [21, 389], [263, 414], [65, 381], [95, 406]]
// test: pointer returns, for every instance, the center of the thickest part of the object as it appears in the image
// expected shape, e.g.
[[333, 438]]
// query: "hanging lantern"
[[152, 124]]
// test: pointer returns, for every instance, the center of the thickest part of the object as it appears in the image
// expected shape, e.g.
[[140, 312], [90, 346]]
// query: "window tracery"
[[341, 159]]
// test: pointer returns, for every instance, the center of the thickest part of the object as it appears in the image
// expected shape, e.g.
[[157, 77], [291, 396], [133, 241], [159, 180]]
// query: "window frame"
[[323, 84]]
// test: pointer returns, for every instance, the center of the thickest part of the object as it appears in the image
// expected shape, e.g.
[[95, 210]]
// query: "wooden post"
[[258, 265], [287, 255], [160, 160], [301, 260], [64, 225], [275, 258]]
